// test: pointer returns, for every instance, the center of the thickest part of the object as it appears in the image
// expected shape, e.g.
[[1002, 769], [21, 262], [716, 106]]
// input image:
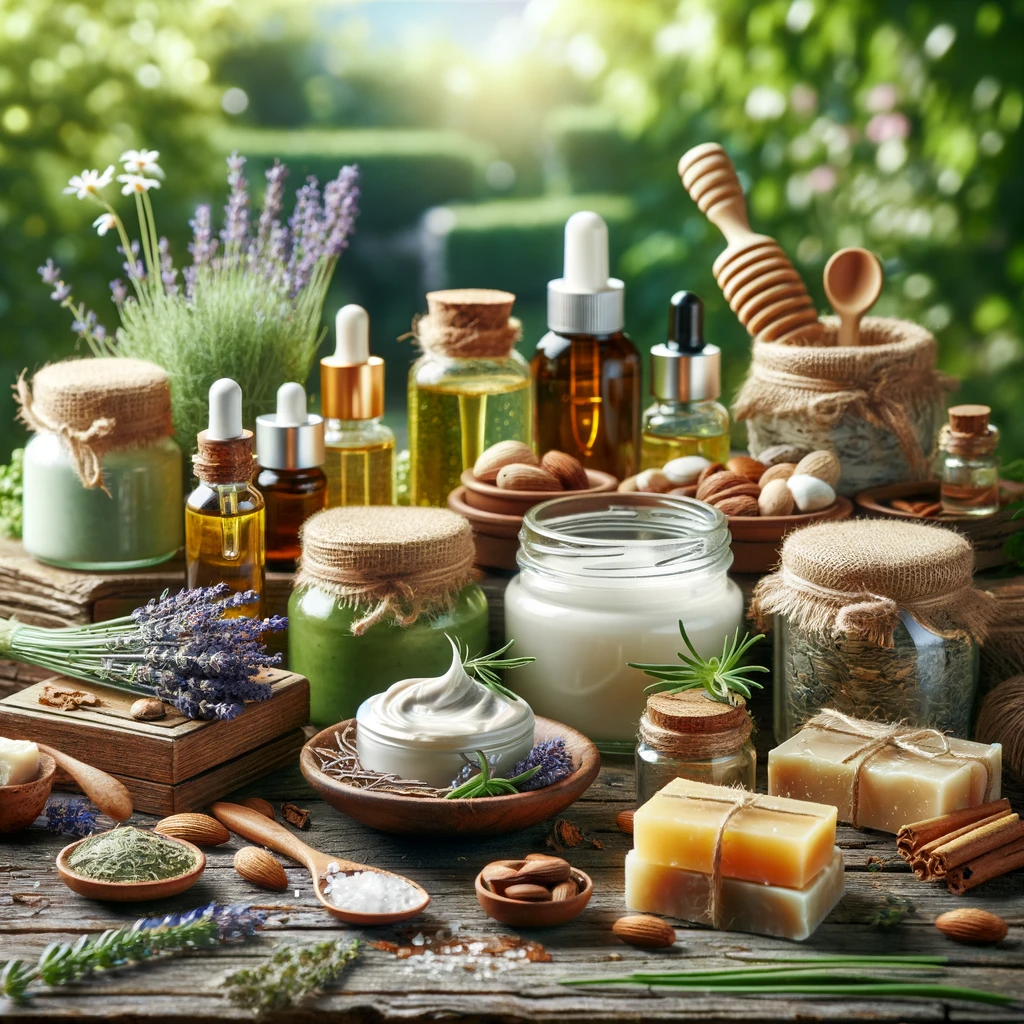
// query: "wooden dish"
[[756, 540], [495, 536], [21, 805], [480, 816], [130, 892], [518, 914], [491, 498]]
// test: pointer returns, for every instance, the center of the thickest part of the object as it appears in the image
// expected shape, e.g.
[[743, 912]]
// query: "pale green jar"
[[102, 477]]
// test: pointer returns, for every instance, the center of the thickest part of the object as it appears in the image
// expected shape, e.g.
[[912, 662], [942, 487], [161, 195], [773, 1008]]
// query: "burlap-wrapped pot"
[[878, 405], [877, 619]]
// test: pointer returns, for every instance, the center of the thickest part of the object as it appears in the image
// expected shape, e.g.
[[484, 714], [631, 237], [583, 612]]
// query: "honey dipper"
[[757, 279]]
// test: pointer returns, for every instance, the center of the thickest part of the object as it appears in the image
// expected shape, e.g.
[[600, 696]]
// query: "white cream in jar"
[[605, 580], [428, 728]]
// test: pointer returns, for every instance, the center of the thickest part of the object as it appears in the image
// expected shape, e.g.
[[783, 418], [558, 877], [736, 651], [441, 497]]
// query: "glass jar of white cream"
[[605, 580]]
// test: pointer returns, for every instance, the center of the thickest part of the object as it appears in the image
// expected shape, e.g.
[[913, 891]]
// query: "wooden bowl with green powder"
[[129, 864]]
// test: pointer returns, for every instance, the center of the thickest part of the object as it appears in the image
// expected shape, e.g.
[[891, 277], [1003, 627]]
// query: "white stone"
[[685, 470], [810, 493], [19, 762]]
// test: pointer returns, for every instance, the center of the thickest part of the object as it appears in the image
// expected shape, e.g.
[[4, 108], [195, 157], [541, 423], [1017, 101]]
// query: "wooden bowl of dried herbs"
[[128, 864]]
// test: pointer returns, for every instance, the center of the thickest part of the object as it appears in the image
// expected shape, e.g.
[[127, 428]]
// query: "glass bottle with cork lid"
[[587, 370], [224, 514], [686, 381], [967, 464], [469, 390], [102, 485], [290, 452], [360, 449], [691, 736]]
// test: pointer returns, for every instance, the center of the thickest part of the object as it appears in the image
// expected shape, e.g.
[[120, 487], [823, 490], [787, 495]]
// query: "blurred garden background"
[[480, 126]]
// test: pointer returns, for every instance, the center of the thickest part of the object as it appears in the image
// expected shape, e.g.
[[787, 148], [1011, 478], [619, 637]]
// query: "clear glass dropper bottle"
[[359, 448], [224, 514]]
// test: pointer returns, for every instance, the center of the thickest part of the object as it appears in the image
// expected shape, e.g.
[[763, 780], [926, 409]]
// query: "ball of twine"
[[1002, 721]]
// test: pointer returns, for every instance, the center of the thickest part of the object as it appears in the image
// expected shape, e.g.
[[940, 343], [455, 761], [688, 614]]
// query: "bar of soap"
[[744, 906], [19, 762], [782, 842], [895, 786]]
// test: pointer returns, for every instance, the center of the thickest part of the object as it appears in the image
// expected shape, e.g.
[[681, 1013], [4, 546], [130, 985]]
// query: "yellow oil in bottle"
[[224, 541], [656, 450], [452, 421], [361, 474]]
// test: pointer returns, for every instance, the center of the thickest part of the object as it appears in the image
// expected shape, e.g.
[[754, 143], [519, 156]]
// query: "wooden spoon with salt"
[[109, 795], [257, 828], [853, 282]]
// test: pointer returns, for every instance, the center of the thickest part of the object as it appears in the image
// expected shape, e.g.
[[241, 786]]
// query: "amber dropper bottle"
[[290, 451], [224, 514], [587, 371]]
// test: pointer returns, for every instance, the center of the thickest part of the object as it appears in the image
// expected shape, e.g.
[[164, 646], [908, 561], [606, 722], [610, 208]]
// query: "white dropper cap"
[[585, 300], [225, 410], [291, 405], [352, 328]]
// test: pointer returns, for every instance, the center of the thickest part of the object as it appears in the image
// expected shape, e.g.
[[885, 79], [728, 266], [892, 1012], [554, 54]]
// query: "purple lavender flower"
[[99, 332], [49, 273], [554, 760], [236, 212], [307, 229], [341, 207], [203, 246], [60, 292], [77, 818], [272, 203], [168, 273], [133, 266], [85, 324], [118, 292], [233, 922]]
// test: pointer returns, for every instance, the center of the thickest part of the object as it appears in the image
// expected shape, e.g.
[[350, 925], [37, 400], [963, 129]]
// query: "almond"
[[822, 465], [257, 803], [744, 465], [564, 891], [568, 471], [504, 453], [737, 505], [624, 819], [690, 491], [715, 467], [781, 471], [775, 499], [147, 708], [526, 892], [200, 829], [518, 476], [781, 453], [645, 930], [499, 877], [653, 481], [260, 868], [544, 871], [726, 483], [685, 470], [972, 926], [629, 484]]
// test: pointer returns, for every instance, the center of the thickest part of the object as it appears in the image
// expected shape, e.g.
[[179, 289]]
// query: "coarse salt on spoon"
[[342, 876]]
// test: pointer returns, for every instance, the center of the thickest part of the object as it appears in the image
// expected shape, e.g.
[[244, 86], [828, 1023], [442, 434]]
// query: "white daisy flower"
[[103, 223], [136, 183], [142, 161], [89, 183]]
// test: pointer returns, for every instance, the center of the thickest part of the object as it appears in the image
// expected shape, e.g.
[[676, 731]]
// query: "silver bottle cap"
[[291, 438], [585, 300], [684, 377]]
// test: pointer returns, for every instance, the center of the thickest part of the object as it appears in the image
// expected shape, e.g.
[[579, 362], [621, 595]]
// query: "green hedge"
[[591, 154]]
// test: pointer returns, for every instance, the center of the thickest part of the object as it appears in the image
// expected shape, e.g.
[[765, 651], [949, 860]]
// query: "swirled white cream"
[[426, 728]]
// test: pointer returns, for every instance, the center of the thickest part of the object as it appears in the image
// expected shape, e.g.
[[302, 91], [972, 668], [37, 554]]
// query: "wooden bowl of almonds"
[[537, 892]]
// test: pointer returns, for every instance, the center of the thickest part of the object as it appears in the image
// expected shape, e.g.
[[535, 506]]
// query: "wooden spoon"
[[256, 828], [109, 795], [853, 282]]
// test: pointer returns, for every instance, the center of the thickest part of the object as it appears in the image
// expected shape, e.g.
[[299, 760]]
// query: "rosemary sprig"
[[485, 667], [292, 974], [721, 677], [486, 785]]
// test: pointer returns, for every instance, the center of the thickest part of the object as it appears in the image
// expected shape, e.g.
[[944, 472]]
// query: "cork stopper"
[[469, 323], [228, 461], [690, 725], [969, 419]]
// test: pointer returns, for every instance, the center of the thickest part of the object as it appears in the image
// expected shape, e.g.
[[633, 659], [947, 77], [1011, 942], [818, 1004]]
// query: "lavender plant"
[[181, 649], [250, 304], [75, 818]]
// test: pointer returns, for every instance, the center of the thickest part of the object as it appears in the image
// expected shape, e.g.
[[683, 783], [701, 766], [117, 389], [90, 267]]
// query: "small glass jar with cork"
[[967, 464], [691, 736]]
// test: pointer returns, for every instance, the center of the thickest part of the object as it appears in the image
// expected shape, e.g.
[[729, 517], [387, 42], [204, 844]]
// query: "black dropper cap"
[[686, 323]]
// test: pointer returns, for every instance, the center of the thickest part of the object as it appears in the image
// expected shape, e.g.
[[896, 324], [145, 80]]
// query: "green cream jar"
[[102, 477], [377, 590]]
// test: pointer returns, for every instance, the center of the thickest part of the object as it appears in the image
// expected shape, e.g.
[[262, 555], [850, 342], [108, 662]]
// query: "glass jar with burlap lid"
[[378, 587], [103, 478], [878, 619], [690, 735], [877, 405], [469, 390]]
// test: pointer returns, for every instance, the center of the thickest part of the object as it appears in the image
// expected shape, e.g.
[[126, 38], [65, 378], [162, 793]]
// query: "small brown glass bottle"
[[290, 452], [587, 370]]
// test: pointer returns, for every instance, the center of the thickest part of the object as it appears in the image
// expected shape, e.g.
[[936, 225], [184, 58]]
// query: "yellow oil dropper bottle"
[[359, 448], [224, 514]]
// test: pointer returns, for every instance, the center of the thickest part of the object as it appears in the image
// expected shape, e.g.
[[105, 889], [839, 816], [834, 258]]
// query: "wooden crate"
[[172, 764]]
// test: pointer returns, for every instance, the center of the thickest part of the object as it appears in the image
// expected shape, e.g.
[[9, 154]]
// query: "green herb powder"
[[130, 855]]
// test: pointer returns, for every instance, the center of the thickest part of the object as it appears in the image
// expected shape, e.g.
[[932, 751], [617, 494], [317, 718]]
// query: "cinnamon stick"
[[998, 862], [920, 861], [912, 837], [976, 843]]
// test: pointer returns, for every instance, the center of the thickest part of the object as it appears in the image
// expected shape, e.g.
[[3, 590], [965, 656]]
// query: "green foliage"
[[10, 495], [485, 784]]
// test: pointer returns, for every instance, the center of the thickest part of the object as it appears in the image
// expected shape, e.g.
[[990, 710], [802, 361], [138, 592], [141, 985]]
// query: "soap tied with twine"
[[389, 564]]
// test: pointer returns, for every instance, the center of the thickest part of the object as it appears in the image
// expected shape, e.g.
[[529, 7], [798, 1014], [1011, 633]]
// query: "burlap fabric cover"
[[878, 405], [854, 578], [97, 406], [389, 563], [1003, 653], [468, 323]]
